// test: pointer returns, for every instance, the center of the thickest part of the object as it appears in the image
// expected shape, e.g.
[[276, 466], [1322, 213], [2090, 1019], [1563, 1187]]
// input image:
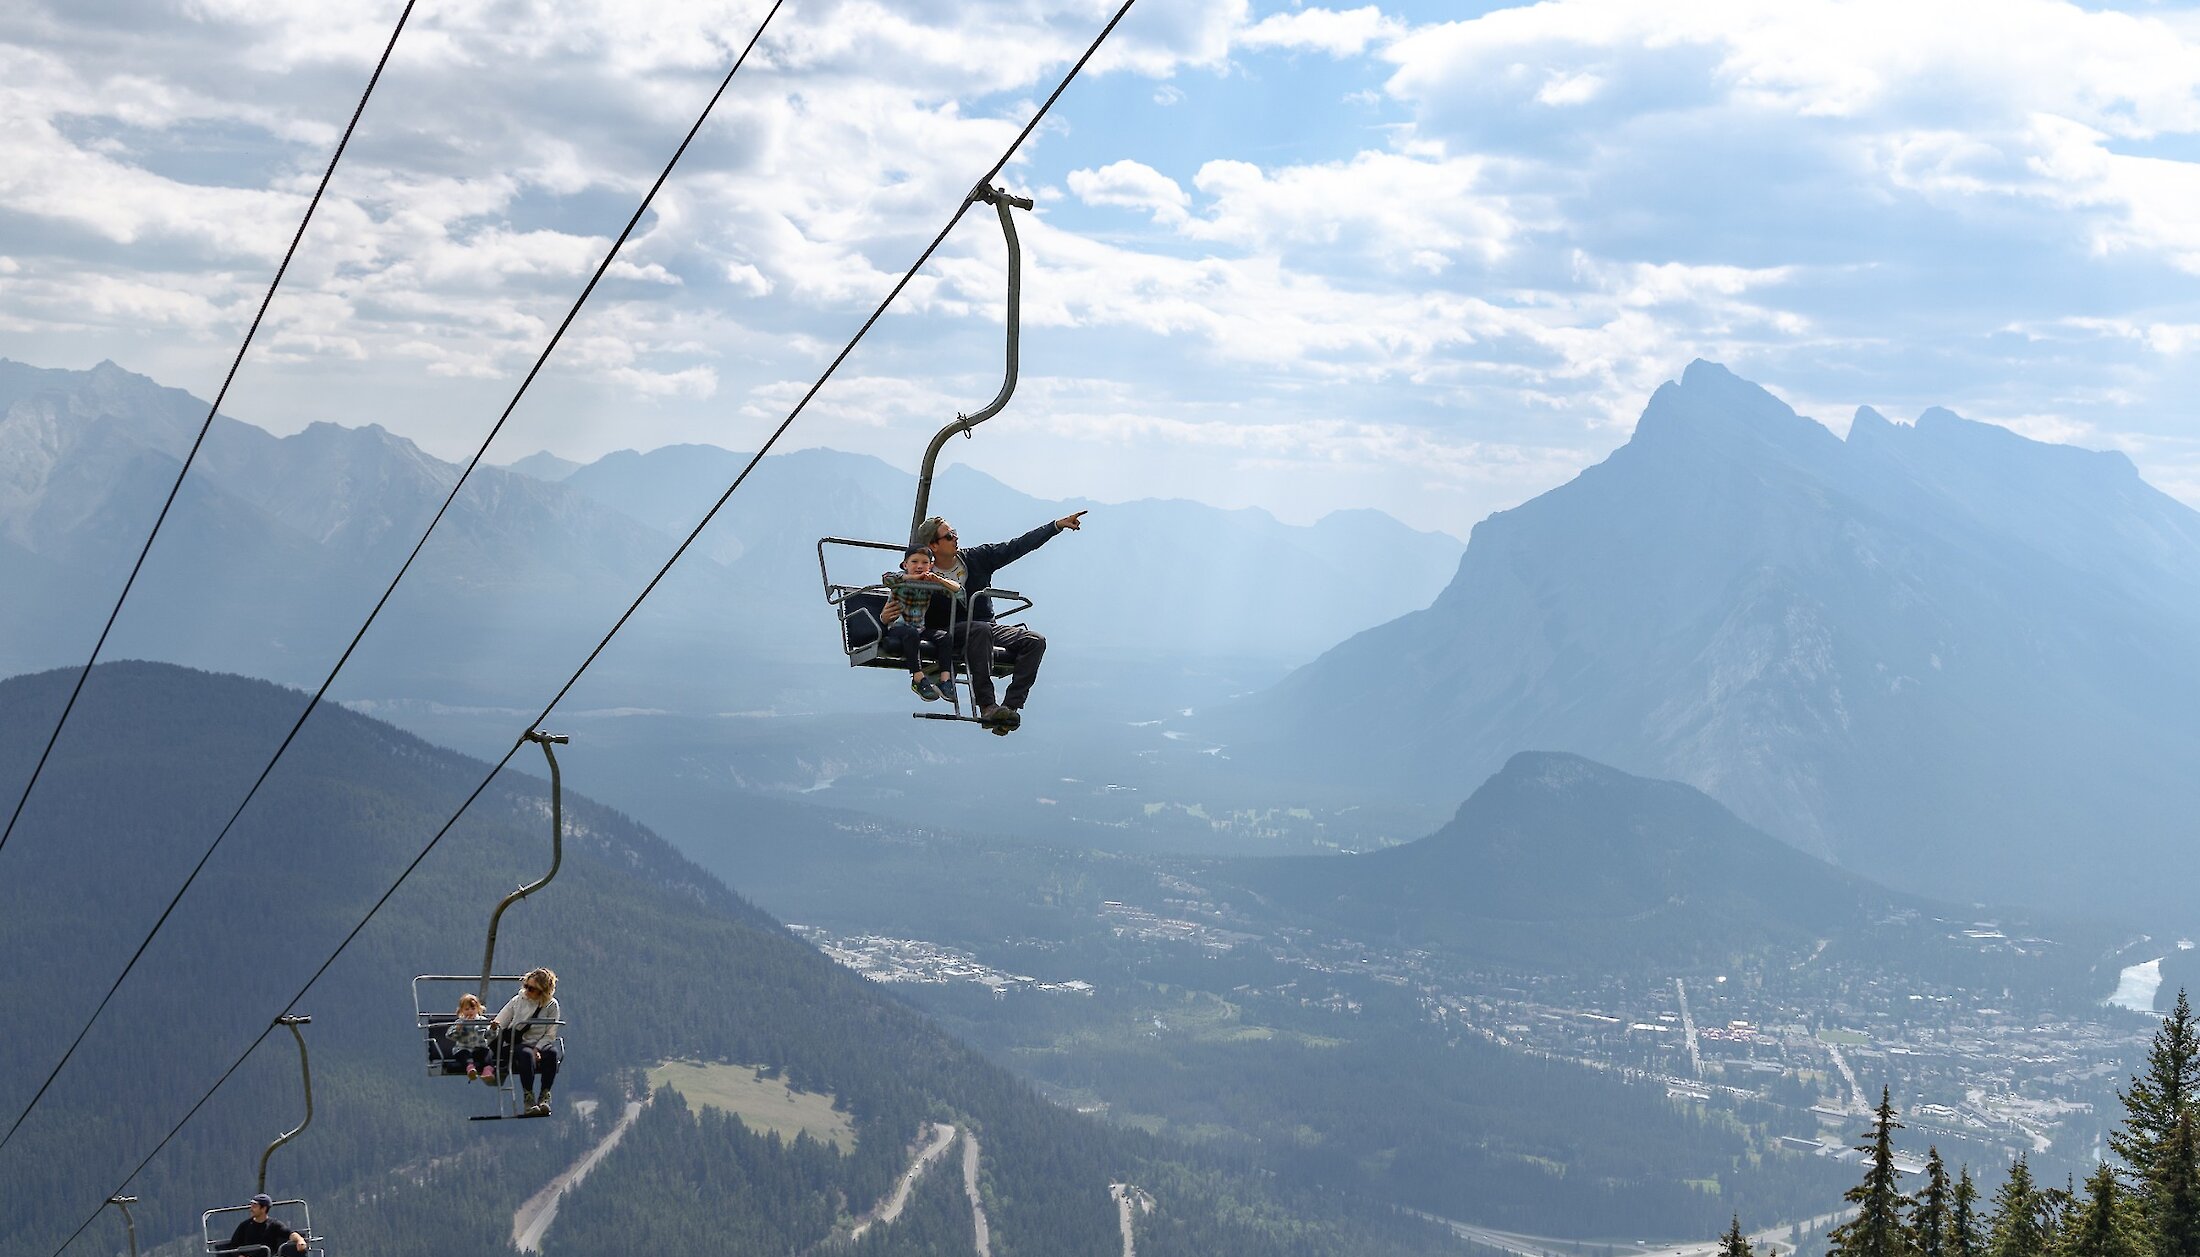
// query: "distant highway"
[[1857, 1103], [1688, 1028]]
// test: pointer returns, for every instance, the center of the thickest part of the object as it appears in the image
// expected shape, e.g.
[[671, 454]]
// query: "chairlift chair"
[[294, 1211], [217, 1225], [860, 605], [449, 1041]]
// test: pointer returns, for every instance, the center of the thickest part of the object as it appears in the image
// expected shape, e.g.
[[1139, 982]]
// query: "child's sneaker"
[[473, 1071], [489, 1074], [925, 688]]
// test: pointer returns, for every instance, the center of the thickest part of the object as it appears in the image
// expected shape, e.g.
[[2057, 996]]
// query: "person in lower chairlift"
[[525, 1023], [261, 1234]]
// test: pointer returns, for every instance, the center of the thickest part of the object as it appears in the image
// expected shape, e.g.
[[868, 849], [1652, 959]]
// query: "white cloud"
[[2165, 338], [699, 383], [2152, 203], [1910, 91], [1570, 89], [1158, 41], [1131, 185], [1403, 209], [1340, 33], [746, 278], [2127, 74]]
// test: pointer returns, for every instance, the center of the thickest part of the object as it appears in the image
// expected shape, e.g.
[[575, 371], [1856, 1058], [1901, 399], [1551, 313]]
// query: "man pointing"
[[973, 568]]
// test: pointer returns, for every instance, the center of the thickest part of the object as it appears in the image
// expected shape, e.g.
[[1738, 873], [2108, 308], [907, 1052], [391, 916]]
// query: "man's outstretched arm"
[[994, 556]]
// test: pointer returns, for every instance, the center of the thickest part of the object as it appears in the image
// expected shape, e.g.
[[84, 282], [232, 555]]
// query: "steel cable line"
[[628, 614], [313, 703], [205, 427]]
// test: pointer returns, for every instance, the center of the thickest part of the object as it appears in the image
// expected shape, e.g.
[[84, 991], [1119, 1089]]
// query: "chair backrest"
[[859, 620]]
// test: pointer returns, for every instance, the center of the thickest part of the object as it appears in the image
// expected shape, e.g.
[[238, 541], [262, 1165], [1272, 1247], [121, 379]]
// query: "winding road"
[[970, 1189], [533, 1218], [942, 1136]]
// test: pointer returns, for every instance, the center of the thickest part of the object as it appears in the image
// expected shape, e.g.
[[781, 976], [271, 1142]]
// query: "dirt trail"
[[533, 1219], [942, 1135], [970, 1189]]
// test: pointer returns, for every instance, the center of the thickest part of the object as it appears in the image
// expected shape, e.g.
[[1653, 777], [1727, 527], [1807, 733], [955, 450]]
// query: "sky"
[[1430, 258]]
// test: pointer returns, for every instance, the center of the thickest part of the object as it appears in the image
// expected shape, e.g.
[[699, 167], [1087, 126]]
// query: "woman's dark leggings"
[[530, 1061]]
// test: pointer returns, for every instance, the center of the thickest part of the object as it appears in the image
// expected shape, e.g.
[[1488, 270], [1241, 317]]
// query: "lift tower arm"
[[1001, 203]]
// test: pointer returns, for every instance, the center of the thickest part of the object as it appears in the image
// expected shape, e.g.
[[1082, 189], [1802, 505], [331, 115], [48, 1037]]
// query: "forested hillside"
[[657, 961]]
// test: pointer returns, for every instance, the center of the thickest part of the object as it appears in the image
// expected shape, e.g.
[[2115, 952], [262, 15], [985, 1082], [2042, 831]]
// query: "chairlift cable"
[[478, 790], [206, 426], [313, 703]]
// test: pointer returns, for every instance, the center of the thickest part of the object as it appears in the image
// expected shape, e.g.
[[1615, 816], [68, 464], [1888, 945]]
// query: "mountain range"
[[1940, 654], [277, 547]]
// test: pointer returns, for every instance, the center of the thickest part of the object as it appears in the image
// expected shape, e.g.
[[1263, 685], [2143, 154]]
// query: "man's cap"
[[929, 531], [263, 1199]]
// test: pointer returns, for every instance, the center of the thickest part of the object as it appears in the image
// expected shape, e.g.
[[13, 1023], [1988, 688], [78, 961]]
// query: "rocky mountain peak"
[[1712, 411], [1942, 652]]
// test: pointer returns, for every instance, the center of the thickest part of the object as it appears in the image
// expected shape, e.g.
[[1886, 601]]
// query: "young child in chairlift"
[[470, 1037], [913, 588]]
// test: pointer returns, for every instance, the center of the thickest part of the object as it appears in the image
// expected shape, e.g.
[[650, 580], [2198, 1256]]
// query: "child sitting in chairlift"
[[914, 587]]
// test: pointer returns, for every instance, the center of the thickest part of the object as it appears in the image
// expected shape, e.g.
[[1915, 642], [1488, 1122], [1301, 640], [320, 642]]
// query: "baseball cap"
[[263, 1199]]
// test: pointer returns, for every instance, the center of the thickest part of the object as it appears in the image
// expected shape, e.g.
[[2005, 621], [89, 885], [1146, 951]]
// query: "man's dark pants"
[[1025, 649]]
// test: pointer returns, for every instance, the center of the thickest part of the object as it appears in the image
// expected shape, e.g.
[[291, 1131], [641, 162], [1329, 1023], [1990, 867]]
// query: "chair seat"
[[859, 636]]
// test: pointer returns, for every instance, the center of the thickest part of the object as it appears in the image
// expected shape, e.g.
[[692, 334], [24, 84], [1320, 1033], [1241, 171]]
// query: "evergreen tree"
[[2159, 1097], [1876, 1230], [2104, 1225], [1964, 1239], [2019, 1227], [1734, 1243], [1929, 1219], [2058, 1210], [2175, 1206]]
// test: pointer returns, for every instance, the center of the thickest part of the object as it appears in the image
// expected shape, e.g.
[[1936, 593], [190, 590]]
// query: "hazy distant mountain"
[[1557, 858], [544, 465], [1151, 577], [1945, 655], [277, 548]]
